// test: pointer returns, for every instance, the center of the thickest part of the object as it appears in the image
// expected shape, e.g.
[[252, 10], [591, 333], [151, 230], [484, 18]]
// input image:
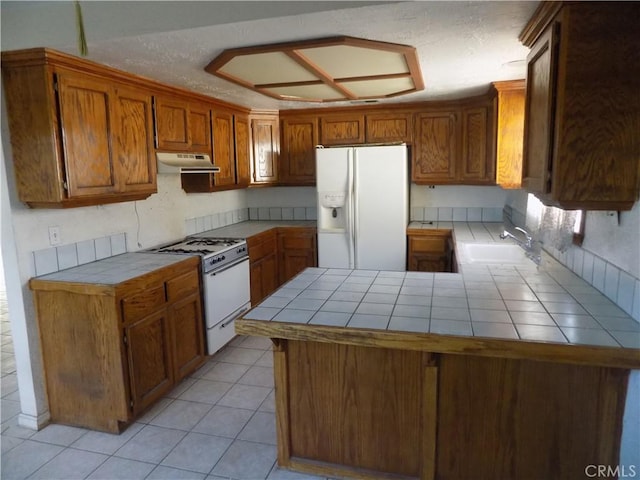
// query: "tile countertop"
[[549, 304], [116, 269]]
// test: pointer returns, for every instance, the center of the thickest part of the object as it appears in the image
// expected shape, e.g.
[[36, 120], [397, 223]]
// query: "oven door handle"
[[227, 267]]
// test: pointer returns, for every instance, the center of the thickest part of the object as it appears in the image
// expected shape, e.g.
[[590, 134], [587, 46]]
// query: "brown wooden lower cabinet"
[[277, 255], [373, 412], [111, 351], [430, 250]]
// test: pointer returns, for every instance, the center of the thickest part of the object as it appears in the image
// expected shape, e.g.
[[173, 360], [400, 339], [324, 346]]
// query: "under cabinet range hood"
[[169, 162]]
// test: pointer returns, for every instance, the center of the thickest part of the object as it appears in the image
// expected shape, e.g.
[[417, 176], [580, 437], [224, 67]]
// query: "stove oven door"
[[227, 296]]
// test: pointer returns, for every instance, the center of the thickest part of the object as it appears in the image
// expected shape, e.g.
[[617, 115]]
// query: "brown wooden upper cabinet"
[[342, 129], [435, 147], [510, 132], [223, 147], [265, 149], [242, 140], [94, 135], [182, 126], [230, 131], [299, 137], [582, 105], [455, 144], [389, 127]]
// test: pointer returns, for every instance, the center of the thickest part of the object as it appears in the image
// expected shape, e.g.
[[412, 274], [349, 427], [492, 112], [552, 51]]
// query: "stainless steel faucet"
[[527, 245], [529, 239]]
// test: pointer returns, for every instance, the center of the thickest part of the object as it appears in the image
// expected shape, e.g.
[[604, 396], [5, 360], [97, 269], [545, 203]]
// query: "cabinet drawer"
[[142, 304], [296, 242], [428, 244], [183, 285], [262, 248]]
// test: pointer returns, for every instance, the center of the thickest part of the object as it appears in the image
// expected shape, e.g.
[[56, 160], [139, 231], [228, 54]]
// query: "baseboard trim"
[[34, 422]]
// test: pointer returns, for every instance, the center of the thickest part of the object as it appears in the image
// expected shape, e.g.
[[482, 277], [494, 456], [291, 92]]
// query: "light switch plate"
[[54, 236]]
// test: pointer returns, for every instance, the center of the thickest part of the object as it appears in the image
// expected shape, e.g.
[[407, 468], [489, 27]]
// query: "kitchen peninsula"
[[500, 371]]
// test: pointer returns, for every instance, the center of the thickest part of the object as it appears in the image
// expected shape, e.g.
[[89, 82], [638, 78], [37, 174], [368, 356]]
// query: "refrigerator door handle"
[[350, 209], [355, 208]]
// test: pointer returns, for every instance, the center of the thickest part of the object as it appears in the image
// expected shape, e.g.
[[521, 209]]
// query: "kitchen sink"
[[492, 253]]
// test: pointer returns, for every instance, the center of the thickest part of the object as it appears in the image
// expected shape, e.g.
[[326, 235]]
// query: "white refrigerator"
[[363, 202]]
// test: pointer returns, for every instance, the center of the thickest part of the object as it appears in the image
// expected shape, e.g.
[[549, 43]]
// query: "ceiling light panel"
[[310, 93], [265, 68], [323, 70], [383, 87], [343, 61]]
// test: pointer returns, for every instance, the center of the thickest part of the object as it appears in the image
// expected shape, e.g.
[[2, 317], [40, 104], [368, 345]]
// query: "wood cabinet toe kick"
[[379, 404]]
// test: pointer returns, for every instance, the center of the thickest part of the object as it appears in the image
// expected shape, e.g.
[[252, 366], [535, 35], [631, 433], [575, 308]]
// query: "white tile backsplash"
[[445, 214], [587, 266], [611, 276], [54, 259], [474, 214], [118, 244], [67, 256], [626, 287], [103, 247], [599, 266], [86, 251]]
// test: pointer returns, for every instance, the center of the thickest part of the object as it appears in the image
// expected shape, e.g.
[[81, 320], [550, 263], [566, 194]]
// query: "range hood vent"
[[169, 162]]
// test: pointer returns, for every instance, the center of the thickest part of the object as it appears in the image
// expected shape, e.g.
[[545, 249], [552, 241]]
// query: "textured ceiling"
[[462, 46]]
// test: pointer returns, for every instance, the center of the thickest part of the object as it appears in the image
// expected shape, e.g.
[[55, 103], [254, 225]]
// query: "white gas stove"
[[225, 269]]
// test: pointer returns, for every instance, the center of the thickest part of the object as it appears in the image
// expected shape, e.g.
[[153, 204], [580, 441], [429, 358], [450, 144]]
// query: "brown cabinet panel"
[[183, 285], [199, 129], [541, 87], [149, 357], [85, 115], [430, 251], [185, 318], [182, 126], [223, 148], [297, 248], [297, 157], [345, 129], [265, 140], [243, 149], [582, 107], [172, 124], [477, 146], [435, 148], [143, 303], [134, 140], [391, 127], [510, 133], [263, 258]]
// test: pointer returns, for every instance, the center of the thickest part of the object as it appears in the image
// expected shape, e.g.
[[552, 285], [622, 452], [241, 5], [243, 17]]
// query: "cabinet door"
[[298, 154], [85, 116], [172, 124], [186, 326], [243, 149], [424, 262], [297, 250], [135, 156], [265, 149], [223, 148], [435, 148], [263, 277], [342, 130], [392, 127], [149, 358], [539, 113], [199, 126], [478, 158]]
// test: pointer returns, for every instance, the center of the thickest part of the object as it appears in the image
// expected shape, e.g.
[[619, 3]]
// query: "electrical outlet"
[[54, 236]]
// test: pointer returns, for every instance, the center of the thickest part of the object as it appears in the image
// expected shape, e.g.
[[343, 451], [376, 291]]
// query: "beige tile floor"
[[218, 423]]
